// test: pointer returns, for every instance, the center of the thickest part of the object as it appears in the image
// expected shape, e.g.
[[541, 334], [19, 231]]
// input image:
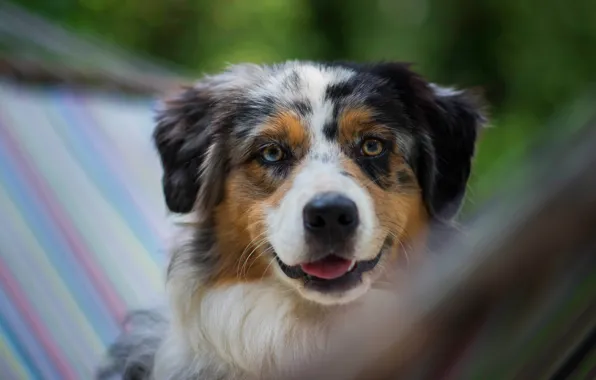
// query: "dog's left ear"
[[447, 123], [453, 119]]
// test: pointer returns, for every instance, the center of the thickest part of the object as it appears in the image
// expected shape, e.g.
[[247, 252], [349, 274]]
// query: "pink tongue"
[[328, 268]]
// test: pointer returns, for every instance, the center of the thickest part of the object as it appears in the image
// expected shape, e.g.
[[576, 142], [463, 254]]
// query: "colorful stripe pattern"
[[82, 226]]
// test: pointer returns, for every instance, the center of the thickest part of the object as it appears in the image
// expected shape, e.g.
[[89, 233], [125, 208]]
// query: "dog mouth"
[[329, 268], [332, 273]]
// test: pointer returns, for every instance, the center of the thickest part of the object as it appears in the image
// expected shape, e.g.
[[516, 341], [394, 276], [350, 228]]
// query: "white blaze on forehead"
[[312, 82], [315, 81]]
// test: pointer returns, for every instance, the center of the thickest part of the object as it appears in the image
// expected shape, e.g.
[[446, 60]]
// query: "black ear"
[[446, 123], [183, 135], [454, 119]]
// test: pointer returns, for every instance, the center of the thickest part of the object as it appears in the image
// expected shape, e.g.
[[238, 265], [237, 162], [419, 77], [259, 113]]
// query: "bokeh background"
[[535, 59], [83, 227]]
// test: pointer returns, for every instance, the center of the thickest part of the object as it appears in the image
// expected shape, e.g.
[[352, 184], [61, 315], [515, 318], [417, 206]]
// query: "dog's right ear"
[[191, 137], [183, 136]]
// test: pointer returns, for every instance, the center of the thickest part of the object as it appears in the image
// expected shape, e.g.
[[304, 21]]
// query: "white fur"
[[245, 331], [445, 92], [262, 331]]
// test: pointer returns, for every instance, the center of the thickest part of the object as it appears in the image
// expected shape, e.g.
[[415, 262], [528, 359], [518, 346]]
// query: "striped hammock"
[[82, 226]]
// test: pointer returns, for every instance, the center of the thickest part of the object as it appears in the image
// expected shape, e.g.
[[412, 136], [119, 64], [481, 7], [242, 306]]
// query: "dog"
[[306, 183]]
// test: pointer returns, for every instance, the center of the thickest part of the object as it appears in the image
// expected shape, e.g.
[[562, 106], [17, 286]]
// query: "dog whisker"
[[257, 240], [247, 268]]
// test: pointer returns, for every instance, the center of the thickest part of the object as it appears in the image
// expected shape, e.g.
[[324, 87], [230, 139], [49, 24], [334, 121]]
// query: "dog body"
[[306, 184]]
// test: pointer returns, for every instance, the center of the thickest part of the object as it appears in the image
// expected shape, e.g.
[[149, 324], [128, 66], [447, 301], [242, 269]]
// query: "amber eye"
[[372, 147], [272, 153]]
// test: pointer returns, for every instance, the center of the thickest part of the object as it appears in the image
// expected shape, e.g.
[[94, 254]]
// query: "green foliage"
[[531, 57]]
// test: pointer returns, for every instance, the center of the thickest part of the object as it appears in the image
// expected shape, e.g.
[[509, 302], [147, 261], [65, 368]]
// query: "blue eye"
[[272, 153]]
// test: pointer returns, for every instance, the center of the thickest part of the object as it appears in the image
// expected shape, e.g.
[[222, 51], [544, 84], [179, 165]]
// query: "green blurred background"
[[535, 60]]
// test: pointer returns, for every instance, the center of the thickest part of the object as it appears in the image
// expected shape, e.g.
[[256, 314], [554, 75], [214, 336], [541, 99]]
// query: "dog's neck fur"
[[253, 331]]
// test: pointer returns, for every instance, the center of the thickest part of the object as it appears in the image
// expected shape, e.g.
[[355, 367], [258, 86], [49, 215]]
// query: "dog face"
[[316, 174]]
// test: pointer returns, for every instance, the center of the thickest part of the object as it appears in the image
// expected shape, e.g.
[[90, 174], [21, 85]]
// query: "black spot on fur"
[[377, 169], [336, 108], [302, 107], [339, 91], [330, 130]]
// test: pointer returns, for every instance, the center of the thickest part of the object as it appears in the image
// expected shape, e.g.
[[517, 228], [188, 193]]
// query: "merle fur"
[[202, 119], [131, 356]]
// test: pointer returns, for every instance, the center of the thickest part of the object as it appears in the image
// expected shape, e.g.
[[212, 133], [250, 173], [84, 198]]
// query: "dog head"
[[315, 174]]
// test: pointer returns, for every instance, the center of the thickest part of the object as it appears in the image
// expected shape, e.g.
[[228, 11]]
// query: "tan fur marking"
[[287, 127], [352, 123], [402, 215], [240, 226]]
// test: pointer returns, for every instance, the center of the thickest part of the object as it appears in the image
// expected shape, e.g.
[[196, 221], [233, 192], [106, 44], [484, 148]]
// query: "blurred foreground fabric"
[[82, 226]]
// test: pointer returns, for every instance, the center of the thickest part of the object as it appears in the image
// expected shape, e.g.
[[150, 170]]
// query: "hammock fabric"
[[82, 226]]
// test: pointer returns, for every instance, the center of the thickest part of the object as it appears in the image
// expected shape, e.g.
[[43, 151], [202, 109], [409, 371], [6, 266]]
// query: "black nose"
[[331, 215]]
